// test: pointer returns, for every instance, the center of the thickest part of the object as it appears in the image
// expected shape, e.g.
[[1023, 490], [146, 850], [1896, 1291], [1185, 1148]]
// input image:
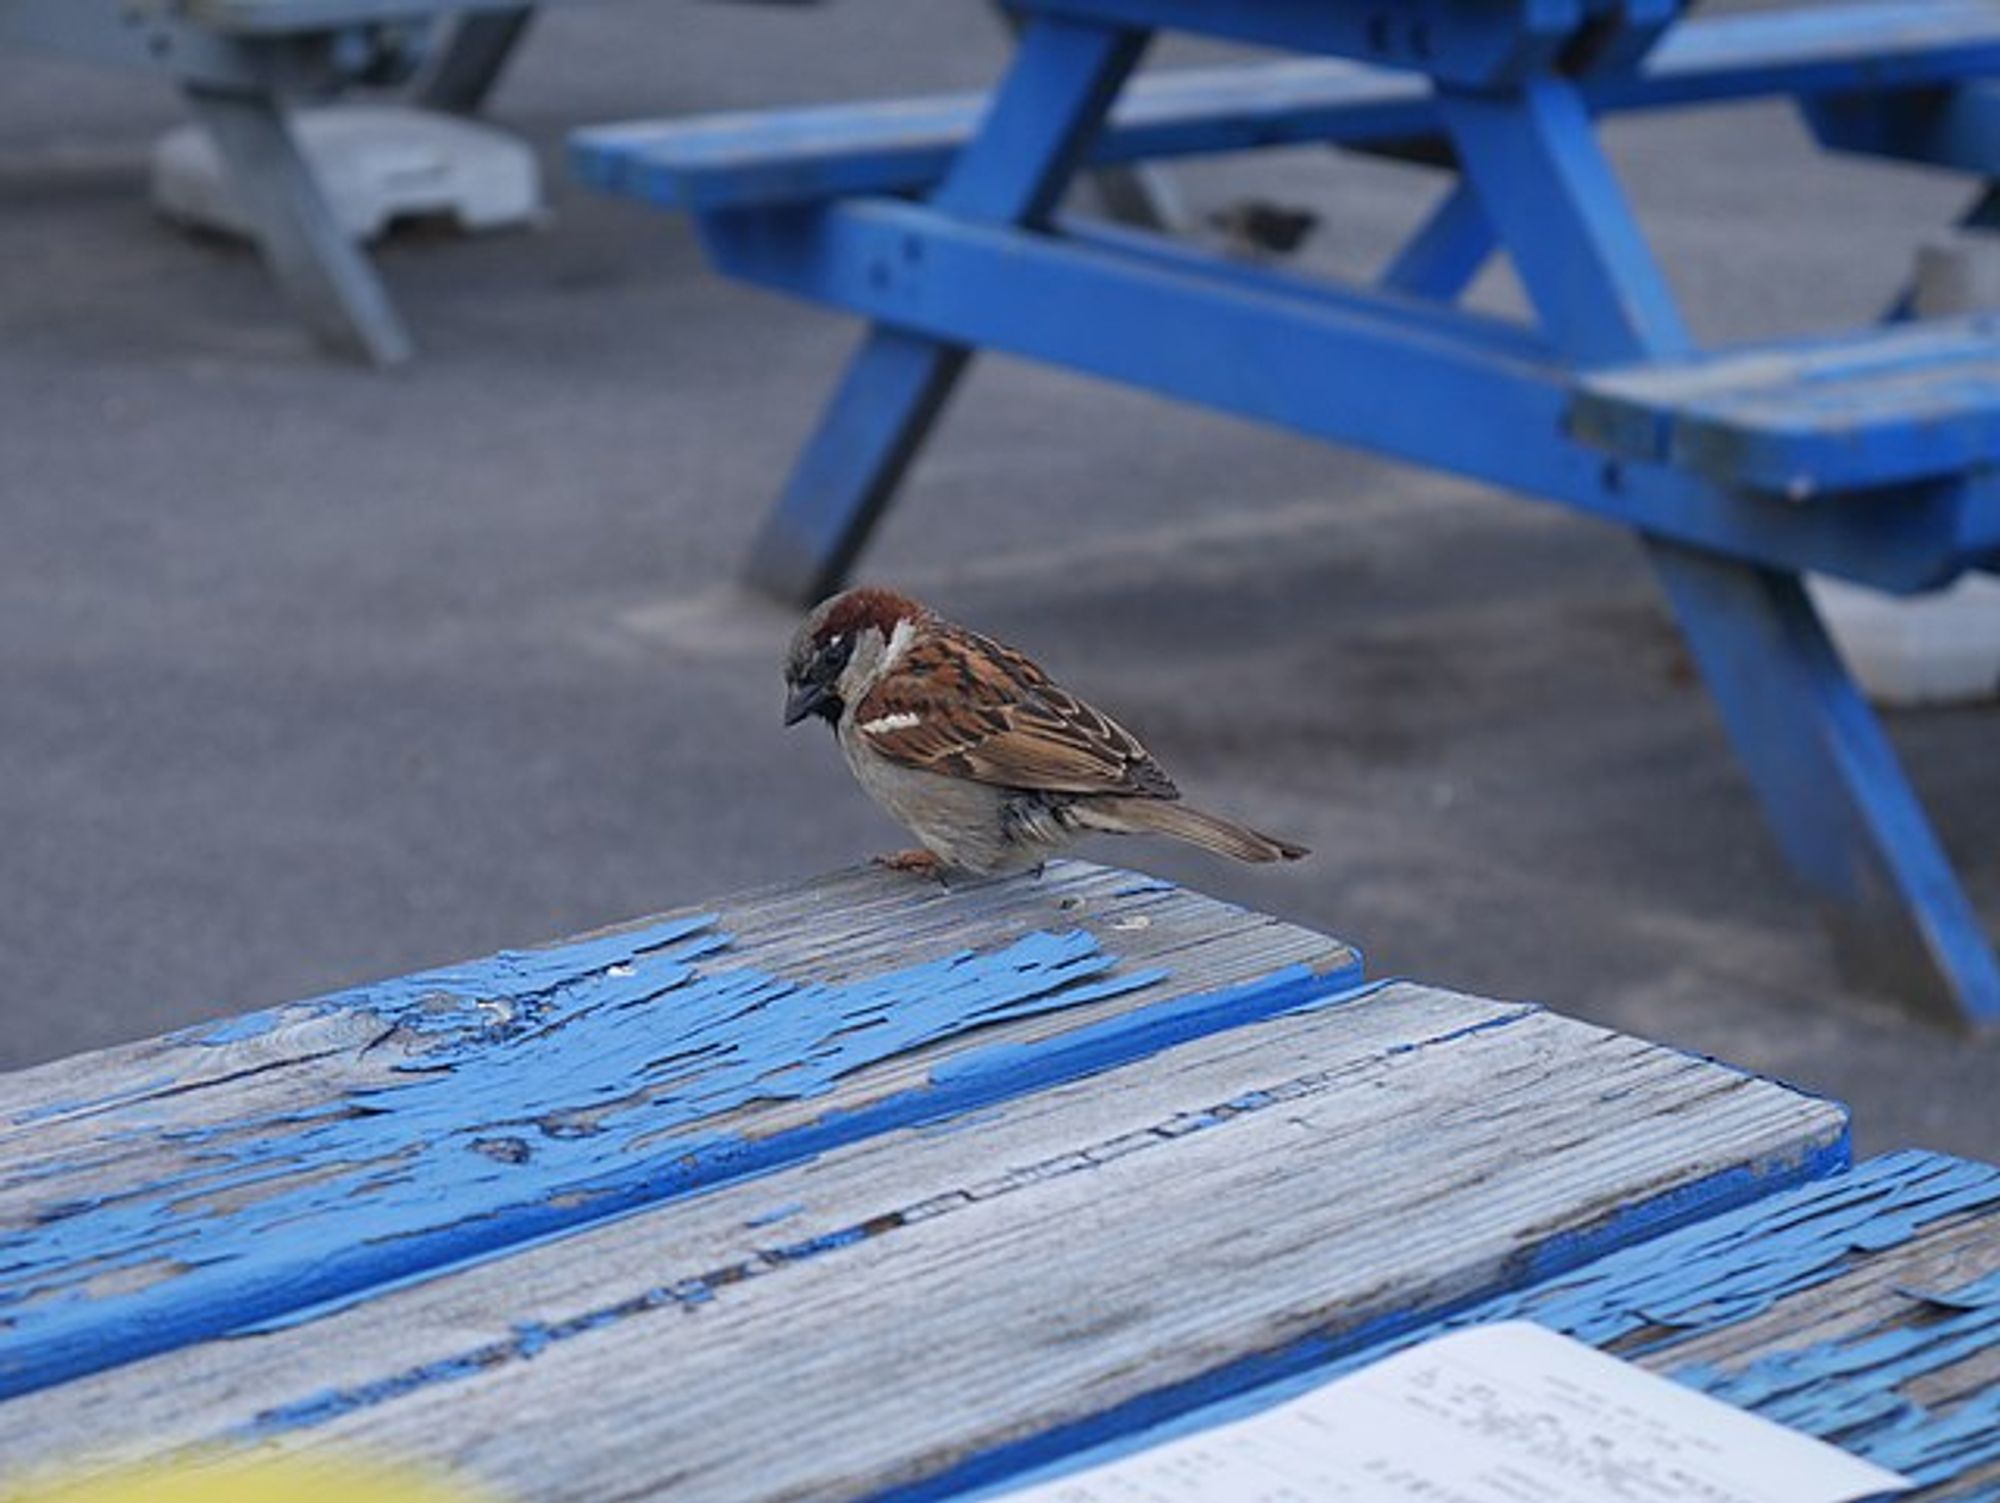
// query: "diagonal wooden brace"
[[319, 267], [1063, 80]]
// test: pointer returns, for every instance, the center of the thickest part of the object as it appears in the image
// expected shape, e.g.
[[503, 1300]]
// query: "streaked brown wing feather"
[[984, 712]]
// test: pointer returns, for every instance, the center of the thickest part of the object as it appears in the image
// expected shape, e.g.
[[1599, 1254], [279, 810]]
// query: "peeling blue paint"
[[812, 1247], [547, 1089], [251, 1025], [1484, 1025], [688, 1292], [531, 1338], [1648, 1298], [699, 1289], [1977, 1295], [1685, 1204], [1849, 1392]]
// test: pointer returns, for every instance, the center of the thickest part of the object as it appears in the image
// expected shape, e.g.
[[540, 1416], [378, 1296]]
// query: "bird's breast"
[[962, 822]]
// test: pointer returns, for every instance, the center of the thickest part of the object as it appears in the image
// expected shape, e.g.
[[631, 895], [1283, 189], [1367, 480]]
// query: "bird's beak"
[[804, 700]]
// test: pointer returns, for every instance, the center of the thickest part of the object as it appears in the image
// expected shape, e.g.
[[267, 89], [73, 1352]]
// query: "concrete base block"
[[1942, 648], [1957, 271], [375, 164], [1929, 650]]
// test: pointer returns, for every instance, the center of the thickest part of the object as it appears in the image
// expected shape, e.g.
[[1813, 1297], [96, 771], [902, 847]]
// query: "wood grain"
[[942, 1302], [173, 1190], [1863, 1309]]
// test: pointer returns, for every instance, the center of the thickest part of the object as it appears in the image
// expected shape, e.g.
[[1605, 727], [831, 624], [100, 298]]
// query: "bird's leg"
[[919, 861]]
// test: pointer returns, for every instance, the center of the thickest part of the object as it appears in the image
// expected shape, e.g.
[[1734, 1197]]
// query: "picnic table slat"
[[170, 1191], [1863, 1309], [940, 1302]]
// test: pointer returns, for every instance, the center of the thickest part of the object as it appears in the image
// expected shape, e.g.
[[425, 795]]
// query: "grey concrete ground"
[[309, 676]]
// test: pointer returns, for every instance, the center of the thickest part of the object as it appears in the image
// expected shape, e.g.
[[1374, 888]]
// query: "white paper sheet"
[[1506, 1413]]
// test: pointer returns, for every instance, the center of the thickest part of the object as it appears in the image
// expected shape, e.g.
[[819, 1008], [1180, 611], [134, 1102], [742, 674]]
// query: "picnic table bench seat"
[[844, 1190], [1810, 419], [748, 158]]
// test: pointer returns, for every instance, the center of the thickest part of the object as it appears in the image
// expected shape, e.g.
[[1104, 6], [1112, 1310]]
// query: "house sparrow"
[[991, 765]]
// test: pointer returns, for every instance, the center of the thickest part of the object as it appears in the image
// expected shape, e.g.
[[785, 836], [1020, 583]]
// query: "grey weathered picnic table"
[[240, 62], [862, 1187], [243, 63]]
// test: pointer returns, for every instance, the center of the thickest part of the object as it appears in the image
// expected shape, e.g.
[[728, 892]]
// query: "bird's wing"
[[967, 706]]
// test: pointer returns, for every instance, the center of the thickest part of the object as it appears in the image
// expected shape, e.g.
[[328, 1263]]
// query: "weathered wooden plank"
[[1848, 413], [1864, 1309], [781, 156], [176, 1189], [910, 1309]]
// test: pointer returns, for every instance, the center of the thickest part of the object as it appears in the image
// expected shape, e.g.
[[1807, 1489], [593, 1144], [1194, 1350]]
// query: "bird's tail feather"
[[1132, 816]]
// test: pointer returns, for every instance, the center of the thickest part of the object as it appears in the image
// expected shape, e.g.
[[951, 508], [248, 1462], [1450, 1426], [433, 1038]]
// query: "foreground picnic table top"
[[860, 1187]]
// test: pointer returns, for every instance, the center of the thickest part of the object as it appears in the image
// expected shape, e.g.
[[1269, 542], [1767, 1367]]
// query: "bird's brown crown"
[[854, 611]]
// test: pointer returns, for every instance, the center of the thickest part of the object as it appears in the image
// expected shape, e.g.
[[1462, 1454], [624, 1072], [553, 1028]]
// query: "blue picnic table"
[[1866, 455], [857, 1188]]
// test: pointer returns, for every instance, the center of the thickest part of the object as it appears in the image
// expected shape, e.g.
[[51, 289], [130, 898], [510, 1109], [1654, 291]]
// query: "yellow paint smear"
[[241, 1479]]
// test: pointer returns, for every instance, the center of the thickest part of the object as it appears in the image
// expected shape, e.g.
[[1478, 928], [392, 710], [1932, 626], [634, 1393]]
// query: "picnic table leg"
[[895, 387], [470, 64], [322, 271], [1138, 193], [1829, 781], [1831, 786], [1063, 79]]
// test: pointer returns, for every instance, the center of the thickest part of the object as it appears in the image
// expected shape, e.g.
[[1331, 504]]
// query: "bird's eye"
[[833, 657]]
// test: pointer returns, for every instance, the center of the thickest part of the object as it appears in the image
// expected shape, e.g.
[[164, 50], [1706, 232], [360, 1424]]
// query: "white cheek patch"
[[902, 720], [899, 643]]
